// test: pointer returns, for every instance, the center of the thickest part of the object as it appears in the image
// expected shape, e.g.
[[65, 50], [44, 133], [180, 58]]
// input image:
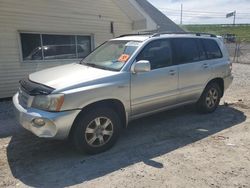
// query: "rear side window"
[[186, 50], [212, 49]]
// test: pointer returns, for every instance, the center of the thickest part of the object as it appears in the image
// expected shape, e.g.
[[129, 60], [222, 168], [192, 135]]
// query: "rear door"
[[194, 69]]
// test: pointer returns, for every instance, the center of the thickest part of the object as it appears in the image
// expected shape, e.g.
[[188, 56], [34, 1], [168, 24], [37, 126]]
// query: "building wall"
[[141, 20], [80, 17]]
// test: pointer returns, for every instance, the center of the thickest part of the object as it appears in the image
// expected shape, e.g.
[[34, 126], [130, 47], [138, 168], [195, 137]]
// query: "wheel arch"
[[115, 104], [220, 82]]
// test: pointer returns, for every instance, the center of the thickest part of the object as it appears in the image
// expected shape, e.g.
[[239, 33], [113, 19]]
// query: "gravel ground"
[[177, 148]]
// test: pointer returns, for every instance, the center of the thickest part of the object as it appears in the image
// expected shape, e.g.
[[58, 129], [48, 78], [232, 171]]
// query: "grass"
[[241, 31]]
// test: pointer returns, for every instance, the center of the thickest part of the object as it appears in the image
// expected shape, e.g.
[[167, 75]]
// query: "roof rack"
[[183, 33], [134, 34], [162, 33]]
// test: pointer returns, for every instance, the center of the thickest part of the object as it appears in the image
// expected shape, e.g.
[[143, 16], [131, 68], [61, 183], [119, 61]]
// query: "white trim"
[[51, 60], [19, 45], [77, 47], [151, 25], [41, 41], [54, 33]]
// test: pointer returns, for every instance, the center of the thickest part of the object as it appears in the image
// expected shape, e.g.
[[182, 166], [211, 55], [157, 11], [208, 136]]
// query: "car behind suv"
[[125, 78]]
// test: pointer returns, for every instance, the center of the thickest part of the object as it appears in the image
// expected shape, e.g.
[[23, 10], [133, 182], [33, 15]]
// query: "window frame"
[[201, 49], [92, 46], [171, 48]]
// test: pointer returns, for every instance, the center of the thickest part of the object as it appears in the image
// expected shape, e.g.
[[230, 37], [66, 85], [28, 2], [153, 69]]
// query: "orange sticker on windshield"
[[123, 58]]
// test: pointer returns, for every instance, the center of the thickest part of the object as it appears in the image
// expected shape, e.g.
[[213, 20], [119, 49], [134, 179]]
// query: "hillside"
[[241, 31]]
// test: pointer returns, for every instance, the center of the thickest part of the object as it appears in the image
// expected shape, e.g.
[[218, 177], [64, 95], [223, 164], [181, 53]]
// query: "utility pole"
[[234, 17], [181, 15]]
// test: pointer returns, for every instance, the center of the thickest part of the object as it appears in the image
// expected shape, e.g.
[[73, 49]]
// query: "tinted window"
[[186, 50], [158, 53], [212, 49]]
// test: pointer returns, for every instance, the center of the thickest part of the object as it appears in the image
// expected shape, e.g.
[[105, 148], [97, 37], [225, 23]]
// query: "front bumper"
[[57, 124]]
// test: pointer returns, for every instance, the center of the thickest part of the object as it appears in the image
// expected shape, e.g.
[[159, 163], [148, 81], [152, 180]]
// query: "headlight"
[[51, 102]]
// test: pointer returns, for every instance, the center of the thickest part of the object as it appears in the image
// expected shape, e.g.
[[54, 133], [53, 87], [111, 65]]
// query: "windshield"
[[112, 55]]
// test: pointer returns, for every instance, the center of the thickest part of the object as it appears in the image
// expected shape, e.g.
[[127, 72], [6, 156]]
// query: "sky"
[[205, 12]]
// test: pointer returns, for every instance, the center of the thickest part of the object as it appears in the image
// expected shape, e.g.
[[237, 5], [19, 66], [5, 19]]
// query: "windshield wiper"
[[89, 64], [106, 68], [98, 66]]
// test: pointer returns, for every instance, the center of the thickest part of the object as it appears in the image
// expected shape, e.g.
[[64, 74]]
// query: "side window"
[[158, 53], [186, 50], [212, 49]]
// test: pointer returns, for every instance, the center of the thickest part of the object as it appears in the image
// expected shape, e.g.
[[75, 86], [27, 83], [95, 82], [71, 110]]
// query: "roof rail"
[[183, 33], [134, 34], [162, 33]]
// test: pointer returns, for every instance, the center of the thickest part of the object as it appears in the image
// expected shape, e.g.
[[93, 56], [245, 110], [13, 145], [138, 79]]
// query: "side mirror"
[[141, 66]]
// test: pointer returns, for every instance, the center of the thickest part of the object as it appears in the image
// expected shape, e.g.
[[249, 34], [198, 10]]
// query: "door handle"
[[205, 65], [172, 72]]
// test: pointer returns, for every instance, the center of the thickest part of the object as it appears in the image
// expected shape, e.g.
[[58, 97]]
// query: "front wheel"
[[210, 98], [96, 131]]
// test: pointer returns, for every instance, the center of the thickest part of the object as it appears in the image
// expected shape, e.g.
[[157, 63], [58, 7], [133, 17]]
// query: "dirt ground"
[[177, 148]]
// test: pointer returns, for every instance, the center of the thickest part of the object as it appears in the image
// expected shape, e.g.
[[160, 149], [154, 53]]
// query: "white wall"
[[47, 16], [141, 20]]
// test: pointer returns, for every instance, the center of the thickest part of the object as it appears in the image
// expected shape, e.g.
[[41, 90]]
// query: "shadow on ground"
[[8, 124], [46, 163]]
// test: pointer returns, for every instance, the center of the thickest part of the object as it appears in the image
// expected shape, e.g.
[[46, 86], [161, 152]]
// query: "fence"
[[239, 52]]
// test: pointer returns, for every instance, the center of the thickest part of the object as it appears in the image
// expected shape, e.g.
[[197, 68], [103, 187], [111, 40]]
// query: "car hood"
[[68, 75]]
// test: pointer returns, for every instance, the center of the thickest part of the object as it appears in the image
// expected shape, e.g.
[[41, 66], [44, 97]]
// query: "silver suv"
[[125, 78]]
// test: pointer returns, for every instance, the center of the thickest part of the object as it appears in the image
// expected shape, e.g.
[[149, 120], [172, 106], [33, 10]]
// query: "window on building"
[[31, 46], [52, 47]]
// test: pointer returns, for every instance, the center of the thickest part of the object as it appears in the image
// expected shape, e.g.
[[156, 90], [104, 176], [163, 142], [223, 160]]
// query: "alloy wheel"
[[212, 98], [99, 131]]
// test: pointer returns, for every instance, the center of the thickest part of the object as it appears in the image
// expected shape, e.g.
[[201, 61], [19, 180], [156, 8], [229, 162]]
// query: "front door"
[[158, 88]]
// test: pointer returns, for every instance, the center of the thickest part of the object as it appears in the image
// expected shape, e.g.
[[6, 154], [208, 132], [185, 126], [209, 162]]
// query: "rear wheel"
[[96, 130], [210, 98]]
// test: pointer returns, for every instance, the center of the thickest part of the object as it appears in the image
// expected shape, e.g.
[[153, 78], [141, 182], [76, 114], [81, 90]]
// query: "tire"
[[96, 130], [210, 98]]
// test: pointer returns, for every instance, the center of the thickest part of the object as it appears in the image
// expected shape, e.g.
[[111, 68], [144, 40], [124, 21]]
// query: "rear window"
[[212, 49]]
